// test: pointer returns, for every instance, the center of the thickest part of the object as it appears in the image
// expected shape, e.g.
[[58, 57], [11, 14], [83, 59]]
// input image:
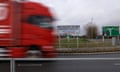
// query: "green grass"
[[82, 42]]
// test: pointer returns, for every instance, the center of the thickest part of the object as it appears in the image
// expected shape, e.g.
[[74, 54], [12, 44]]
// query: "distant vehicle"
[[26, 28]]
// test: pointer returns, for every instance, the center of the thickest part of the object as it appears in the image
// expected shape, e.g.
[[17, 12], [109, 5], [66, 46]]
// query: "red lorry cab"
[[26, 27]]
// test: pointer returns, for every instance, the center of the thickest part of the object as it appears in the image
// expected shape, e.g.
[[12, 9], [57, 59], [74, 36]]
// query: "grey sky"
[[80, 12]]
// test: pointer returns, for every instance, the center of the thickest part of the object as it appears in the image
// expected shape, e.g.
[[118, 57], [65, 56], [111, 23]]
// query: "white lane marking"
[[29, 64], [117, 64], [32, 59], [90, 53], [38, 59]]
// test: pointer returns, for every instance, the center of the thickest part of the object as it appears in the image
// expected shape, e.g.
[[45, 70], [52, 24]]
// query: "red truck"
[[26, 29]]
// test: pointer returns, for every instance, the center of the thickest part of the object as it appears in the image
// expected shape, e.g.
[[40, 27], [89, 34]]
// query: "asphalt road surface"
[[5, 66], [67, 63], [69, 66], [90, 55]]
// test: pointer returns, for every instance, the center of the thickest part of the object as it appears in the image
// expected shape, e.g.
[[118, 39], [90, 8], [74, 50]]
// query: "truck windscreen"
[[42, 21]]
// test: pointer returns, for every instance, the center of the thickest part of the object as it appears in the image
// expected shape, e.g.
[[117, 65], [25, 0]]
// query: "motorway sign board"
[[110, 30], [69, 30]]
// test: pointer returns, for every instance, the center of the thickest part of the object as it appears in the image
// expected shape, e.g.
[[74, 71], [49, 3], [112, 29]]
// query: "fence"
[[81, 42]]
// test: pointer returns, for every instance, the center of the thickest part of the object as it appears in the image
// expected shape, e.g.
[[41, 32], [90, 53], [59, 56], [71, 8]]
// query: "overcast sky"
[[80, 12]]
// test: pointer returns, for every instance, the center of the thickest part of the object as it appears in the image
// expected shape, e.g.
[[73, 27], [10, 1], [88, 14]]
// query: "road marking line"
[[89, 53], [38, 59], [50, 59], [29, 64], [117, 64]]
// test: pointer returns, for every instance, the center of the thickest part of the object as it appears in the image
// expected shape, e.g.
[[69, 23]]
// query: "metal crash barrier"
[[13, 63]]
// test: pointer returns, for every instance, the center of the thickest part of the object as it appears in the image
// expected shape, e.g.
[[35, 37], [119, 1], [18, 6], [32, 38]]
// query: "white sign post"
[[113, 41]]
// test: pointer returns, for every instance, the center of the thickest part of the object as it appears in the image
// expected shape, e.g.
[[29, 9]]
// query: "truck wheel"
[[33, 52]]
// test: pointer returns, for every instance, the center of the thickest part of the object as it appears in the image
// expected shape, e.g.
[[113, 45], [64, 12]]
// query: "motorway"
[[70, 66], [68, 63], [90, 55]]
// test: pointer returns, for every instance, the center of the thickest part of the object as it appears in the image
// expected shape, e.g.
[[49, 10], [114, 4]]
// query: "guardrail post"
[[12, 65]]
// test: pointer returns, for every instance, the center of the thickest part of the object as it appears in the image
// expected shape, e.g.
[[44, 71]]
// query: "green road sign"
[[110, 30]]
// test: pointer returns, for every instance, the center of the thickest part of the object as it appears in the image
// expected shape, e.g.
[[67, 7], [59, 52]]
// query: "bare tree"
[[91, 30]]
